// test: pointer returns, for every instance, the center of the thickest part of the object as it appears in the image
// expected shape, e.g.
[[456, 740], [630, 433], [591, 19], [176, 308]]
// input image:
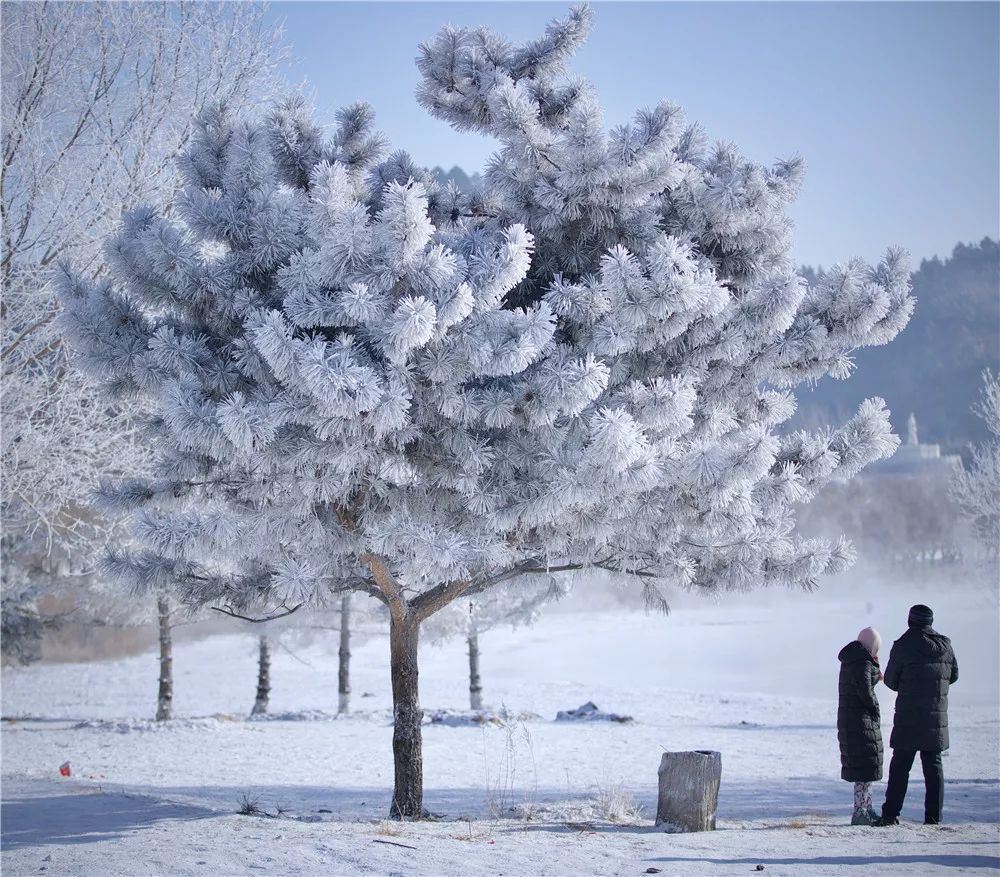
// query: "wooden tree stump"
[[689, 790]]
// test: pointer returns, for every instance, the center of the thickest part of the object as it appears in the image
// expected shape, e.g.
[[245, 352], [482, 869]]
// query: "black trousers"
[[899, 778]]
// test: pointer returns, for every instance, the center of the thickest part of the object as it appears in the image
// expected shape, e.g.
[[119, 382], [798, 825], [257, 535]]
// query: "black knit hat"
[[920, 616]]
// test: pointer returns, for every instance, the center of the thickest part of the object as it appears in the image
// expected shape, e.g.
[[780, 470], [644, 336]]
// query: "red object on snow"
[[64, 770]]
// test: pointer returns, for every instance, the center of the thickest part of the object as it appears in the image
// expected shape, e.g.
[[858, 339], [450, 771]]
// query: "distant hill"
[[933, 367], [459, 177]]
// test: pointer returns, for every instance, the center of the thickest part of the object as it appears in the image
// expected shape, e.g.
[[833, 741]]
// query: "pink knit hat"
[[871, 640]]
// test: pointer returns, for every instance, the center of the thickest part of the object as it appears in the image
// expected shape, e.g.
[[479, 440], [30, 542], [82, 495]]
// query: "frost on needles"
[[351, 377]]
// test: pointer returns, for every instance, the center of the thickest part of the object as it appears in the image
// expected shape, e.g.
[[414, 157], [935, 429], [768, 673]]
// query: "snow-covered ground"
[[754, 677]]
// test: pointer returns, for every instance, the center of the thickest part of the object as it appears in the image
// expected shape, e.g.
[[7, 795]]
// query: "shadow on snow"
[[867, 862], [42, 813], [83, 815]]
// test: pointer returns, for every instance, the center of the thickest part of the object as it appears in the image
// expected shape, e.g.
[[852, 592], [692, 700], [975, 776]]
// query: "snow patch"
[[590, 712], [128, 726], [460, 718]]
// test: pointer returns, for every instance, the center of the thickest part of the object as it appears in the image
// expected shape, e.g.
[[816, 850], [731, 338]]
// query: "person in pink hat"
[[859, 729]]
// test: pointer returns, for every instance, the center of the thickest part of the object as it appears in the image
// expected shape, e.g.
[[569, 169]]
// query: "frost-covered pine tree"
[[354, 379], [976, 490]]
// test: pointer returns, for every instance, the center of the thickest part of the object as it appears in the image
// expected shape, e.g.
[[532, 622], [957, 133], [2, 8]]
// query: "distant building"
[[915, 459]]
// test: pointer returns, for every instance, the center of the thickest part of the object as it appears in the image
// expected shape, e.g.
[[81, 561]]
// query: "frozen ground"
[[754, 677]]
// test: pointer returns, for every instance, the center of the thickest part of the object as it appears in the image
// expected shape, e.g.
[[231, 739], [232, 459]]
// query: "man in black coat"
[[921, 668]]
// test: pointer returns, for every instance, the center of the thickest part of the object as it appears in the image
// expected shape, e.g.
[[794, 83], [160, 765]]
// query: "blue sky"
[[893, 105]]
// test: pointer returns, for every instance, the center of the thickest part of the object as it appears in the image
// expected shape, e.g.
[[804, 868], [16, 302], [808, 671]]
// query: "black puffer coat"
[[858, 730], [921, 669]]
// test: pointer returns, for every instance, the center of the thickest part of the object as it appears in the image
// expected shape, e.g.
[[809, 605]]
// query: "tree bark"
[[263, 700], [165, 698], [689, 790], [475, 685], [344, 654], [407, 751]]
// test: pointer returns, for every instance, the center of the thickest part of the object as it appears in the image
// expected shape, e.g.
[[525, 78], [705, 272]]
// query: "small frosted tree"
[[977, 489], [22, 625], [516, 603], [354, 379]]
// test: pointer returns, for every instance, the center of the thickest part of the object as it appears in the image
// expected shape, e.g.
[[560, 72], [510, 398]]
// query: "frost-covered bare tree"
[[97, 99], [357, 380], [977, 489]]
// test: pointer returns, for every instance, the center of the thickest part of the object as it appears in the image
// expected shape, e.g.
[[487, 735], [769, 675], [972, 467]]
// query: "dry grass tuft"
[[389, 829], [614, 803]]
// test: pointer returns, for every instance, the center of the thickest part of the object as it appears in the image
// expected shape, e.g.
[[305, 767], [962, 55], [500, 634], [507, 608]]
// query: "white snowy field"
[[754, 677]]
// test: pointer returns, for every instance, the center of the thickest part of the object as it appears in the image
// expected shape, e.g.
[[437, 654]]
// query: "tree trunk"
[[344, 675], [408, 791], [165, 698], [689, 790], [263, 700], [475, 686]]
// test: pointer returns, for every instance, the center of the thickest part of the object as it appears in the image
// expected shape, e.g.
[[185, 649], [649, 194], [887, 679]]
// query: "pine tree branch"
[[426, 604], [225, 610], [386, 583], [363, 587], [641, 573]]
